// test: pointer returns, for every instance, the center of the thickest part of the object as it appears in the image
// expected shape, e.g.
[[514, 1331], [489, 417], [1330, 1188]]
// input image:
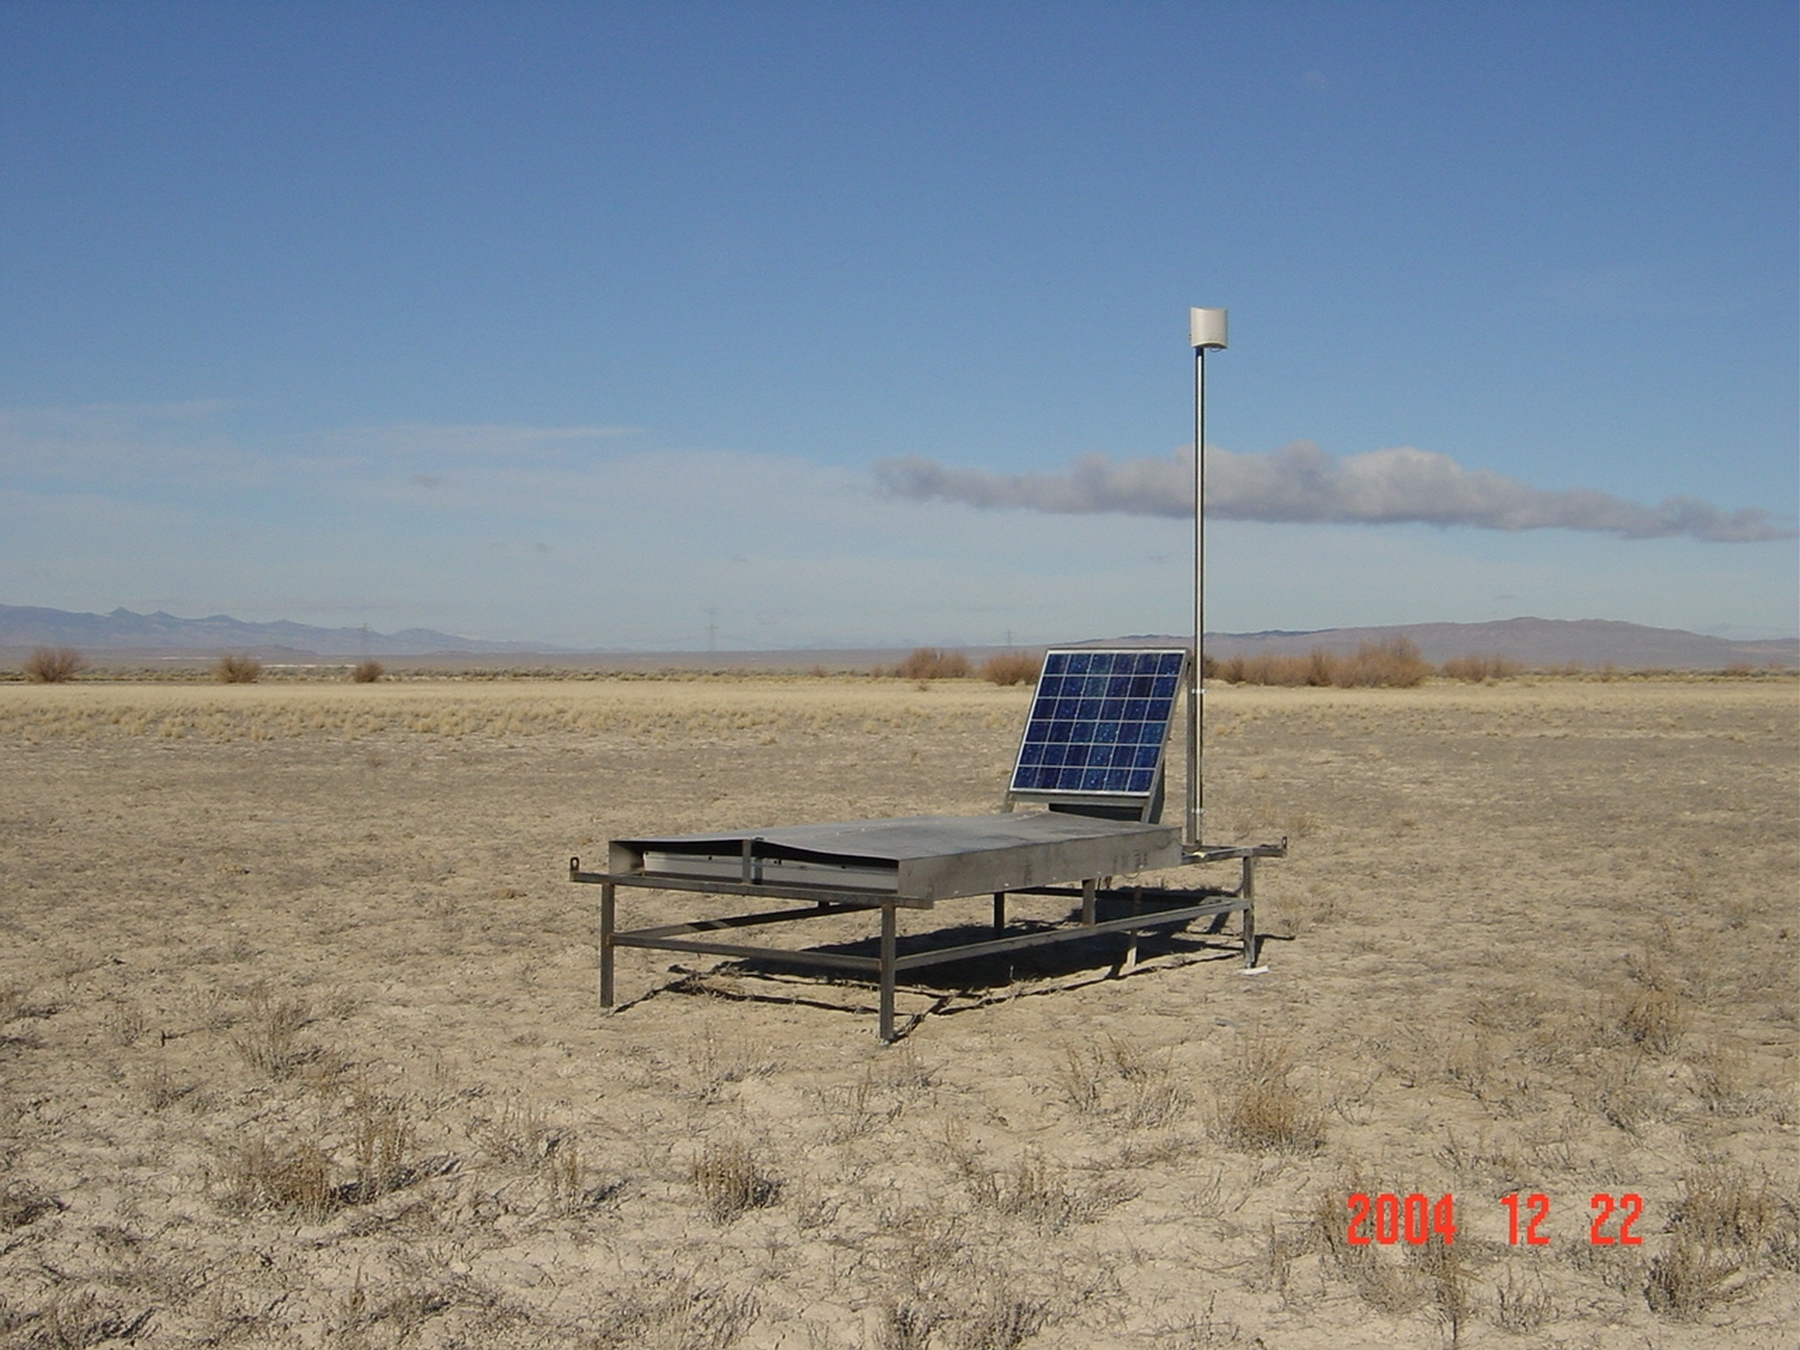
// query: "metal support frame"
[[1151, 908]]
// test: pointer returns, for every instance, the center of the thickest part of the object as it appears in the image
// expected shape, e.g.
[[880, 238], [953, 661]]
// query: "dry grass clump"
[[1687, 1278], [1385, 1285], [1435, 1275], [951, 1285], [1655, 1020], [381, 1137], [1448, 1284], [731, 1181], [720, 1063], [1392, 663], [906, 1326], [296, 1180], [521, 1137], [266, 1039], [858, 1109], [1727, 1207], [881, 1095], [1625, 1095], [367, 672], [1124, 1084], [1004, 1321], [21, 1203], [237, 668], [1479, 667], [1009, 668], [1727, 1227], [395, 1312], [673, 1313], [125, 1022], [301, 1178], [1520, 1308], [1720, 1071], [564, 1174], [1260, 1110], [1037, 1191], [54, 665], [934, 663], [75, 1321]]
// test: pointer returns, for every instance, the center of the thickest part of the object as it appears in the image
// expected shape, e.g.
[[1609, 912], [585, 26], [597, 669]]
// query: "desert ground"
[[300, 1042]]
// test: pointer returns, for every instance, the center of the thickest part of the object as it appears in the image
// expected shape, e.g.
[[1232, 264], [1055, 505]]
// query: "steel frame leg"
[[1247, 888], [607, 923], [888, 927]]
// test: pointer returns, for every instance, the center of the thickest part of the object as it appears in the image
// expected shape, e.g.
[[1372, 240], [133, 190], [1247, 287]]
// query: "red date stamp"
[[1415, 1219], [1387, 1219]]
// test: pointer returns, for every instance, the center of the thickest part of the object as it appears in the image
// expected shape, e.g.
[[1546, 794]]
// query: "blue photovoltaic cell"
[[1099, 722]]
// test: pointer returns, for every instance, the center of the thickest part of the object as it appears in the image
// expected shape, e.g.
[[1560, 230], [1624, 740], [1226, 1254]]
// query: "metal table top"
[[920, 859]]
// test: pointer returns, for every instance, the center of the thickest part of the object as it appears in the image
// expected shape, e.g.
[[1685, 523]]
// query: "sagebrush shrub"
[[1393, 662], [53, 665], [1478, 667], [1009, 668], [237, 668], [933, 663]]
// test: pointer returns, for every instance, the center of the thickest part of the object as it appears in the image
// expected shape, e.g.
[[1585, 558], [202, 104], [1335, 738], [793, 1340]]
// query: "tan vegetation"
[[731, 1181], [237, 668], [1008, 668], [934, 663], [367, 671], [1477, 667], [1261, 1110], [299, 1041], [53, 665], [1392, 663], [1396, 663]]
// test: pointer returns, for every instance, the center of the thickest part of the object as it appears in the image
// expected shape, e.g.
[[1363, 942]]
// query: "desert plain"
[[300, 1042]]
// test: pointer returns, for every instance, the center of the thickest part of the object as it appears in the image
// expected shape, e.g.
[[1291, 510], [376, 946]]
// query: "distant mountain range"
[[1539, 644], [1534, 643], [160, 634]]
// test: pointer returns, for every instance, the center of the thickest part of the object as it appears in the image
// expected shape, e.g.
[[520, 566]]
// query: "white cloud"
[[588, 537], [1302, 483]]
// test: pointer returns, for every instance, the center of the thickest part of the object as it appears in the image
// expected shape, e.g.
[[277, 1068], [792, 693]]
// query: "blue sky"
[[855, 324]]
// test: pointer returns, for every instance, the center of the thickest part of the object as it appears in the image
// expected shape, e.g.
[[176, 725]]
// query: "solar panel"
[[1098, 724]]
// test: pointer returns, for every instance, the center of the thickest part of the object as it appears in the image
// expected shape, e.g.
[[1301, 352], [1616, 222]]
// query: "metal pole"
[[1206, 328], [1196, 793]]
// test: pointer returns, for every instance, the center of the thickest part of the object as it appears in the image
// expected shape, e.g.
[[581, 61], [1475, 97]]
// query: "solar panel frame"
[[1098, 727]]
